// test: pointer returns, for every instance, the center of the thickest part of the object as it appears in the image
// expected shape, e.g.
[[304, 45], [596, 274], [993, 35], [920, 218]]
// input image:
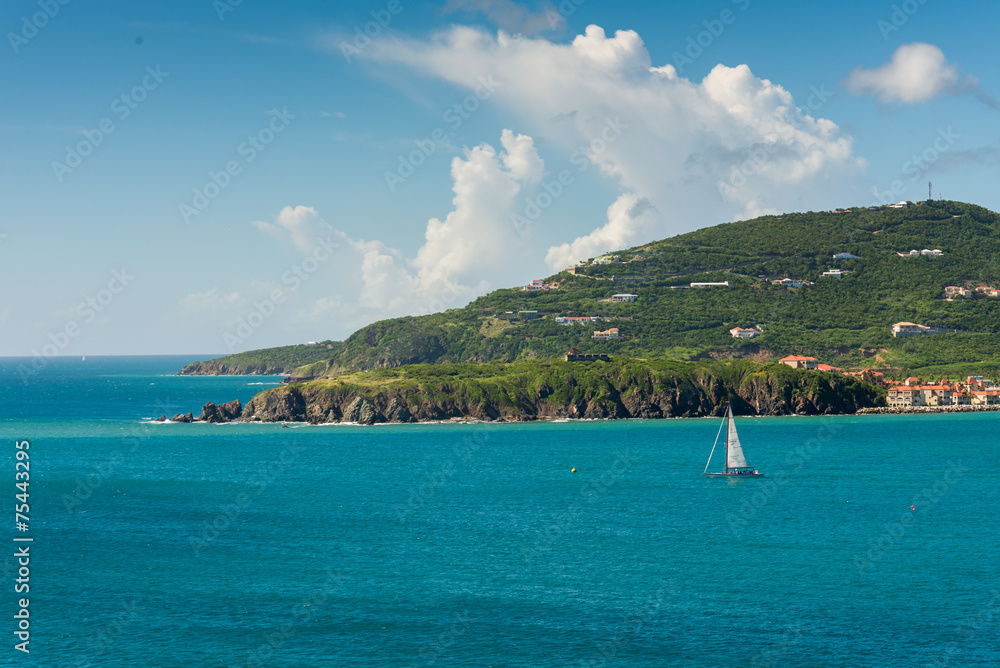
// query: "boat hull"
[[734, 475]]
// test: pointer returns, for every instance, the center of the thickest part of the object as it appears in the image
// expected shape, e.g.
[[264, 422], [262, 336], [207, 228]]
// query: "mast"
[[709, 462], [729, 416]]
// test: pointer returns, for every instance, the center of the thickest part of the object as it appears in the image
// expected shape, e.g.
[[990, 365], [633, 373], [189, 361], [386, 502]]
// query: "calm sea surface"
[[448, 545]]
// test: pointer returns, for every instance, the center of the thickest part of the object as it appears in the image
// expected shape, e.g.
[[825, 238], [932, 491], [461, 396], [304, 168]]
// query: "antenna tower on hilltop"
[[929, 198]]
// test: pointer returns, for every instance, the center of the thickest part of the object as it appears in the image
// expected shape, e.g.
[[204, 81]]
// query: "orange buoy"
[[573, 471]]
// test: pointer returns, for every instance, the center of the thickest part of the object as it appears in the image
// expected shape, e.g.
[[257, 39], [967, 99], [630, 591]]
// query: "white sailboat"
[[736, 463]]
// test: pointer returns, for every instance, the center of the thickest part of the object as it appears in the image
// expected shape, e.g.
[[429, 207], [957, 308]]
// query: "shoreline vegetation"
[[684, 321], [264, 362], [554, 389]]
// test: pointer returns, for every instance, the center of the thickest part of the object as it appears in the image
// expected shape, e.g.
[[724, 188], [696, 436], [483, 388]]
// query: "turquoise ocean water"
[[475, 545]]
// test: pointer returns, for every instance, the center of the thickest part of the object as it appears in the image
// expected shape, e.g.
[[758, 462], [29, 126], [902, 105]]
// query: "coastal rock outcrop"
[[284, 406], [397, 411], [226, 412], [189, 417], [551, 390]]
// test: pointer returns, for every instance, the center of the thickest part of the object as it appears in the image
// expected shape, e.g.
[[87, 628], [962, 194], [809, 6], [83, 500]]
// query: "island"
[[674, 327]]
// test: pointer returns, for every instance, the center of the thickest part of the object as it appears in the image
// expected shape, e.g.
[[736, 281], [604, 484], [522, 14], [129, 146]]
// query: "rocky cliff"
[[612, 392], [214, 368]]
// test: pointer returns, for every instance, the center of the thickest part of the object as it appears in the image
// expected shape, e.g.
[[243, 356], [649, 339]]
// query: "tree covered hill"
[[263, 362], [845, 322]]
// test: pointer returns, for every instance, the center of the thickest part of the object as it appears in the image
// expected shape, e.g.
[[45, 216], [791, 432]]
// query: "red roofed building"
[[799, 362], [985, 398], [827, 367], [920, 395]]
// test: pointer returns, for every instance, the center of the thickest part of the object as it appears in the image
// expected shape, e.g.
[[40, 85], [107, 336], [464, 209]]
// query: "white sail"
[[734, 451]]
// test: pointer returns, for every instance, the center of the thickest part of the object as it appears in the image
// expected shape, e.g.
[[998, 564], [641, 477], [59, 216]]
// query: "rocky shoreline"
[[905, 410], [329, 402], [227, 412]]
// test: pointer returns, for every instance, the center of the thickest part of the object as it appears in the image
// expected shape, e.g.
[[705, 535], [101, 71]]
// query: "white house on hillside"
[[741, 333]]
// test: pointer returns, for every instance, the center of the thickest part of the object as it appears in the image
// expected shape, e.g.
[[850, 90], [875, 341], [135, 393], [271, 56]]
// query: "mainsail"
[[734, 451]]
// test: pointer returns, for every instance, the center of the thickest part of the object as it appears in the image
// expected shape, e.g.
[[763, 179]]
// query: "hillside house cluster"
[[903, 329], [956, 291], [975, 391], [606, 334], [790, 282], [719, 284], [539, 284], [921, 253], [835, 273], [988, 291], [743, 333], [803, 362], [576, 320], [608, 259], [900, 205], [846, 256], [800, 362], [624, 297]]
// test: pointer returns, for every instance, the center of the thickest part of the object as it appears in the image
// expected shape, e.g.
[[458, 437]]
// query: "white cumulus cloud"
[[693, 153], [301, 225], [915, 73], [474, 249]]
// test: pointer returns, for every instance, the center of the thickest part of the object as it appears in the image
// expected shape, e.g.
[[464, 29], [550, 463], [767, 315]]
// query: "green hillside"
[[263, 362], [845, 322]]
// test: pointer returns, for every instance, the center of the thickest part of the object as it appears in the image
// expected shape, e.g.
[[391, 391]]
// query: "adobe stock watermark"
[[230, 512], [454, 116], [291, 279], [363, 35], [919, 164], [582, 158], [590, 493], [431, 651], [773, 655], [563, 10], [121, 108], [100, 473], [968, 629], [31, 25], [307, 607], [99, 643], [223, 7], [895, 531], [760, 155], [248, 150], [796, 461], [448, 295], [631, 626], [87, 309], [427, 486], [697, 44], [899, 17]]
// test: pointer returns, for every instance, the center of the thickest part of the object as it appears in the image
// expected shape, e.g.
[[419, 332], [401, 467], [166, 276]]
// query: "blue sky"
[[580, 128]]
